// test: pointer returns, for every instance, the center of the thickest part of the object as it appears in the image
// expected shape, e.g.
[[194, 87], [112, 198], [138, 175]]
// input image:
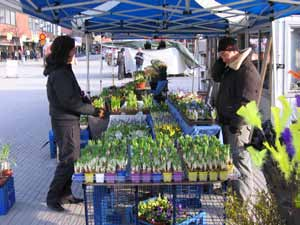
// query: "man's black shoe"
[[70, 199], [55, 206]]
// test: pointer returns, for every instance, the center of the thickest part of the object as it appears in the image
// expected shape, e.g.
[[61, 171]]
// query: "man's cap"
[[227, 44]]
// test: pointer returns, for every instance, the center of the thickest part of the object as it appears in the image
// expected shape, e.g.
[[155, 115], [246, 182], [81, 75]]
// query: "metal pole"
[[101, 58], [87, 49], [259, 51]]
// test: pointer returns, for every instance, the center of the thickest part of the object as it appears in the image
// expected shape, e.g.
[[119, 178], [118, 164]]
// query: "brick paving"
[[24, 124]]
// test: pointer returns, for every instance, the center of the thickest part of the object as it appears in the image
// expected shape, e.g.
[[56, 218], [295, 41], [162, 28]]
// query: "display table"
[[213, 129]]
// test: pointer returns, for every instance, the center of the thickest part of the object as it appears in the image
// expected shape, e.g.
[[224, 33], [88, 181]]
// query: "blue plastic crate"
[[7, 196], [84, 139], [52, 144], [199, 219], [103, 202]]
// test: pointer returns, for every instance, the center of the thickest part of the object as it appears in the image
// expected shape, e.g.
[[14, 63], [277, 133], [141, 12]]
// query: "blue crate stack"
[[104, 211], [84, 138], [7, 196]]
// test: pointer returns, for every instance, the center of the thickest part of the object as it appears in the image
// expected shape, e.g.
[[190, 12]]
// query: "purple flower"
[[298, 100], [288, 141]]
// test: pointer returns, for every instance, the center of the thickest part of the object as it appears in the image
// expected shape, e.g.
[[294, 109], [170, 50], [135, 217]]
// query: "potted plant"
[[157, 165], [121, 159], [99, 103], [147, 103], [146, 145], [110, 175], [115, 104], [100, 170], [140, 80], [189, 156], [156, 211], [131, 103], [135, 161], [167, 152], [5, 162], [83, 122], [226, 165]]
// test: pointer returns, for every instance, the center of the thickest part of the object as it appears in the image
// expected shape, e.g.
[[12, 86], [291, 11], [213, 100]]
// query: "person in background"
[[161, 45], [239, 84], [147, 45], [121, 64], [139, 60], [66, 104]]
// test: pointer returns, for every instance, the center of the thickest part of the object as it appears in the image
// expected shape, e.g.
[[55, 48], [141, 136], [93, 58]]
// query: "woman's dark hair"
[[60, 50]]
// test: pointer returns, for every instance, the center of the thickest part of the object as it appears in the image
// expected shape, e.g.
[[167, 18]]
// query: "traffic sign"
[[42, 37]]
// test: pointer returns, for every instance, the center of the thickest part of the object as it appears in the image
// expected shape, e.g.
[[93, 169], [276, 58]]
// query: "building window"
[[12, 18], [7, 16], [2, 15]]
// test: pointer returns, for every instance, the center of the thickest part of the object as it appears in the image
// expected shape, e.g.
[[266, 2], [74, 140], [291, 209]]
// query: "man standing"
[[139, 60], [239, 84], [121, 64]]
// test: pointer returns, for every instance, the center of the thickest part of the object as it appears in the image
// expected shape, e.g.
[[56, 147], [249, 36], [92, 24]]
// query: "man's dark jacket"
[[64, 93], [239, 84]]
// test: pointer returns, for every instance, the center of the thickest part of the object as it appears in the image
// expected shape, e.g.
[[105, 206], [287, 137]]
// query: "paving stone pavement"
[[24, 124]]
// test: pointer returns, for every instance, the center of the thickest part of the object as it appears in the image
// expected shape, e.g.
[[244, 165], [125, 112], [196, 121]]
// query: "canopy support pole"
[[264, 68], [87, 49], [101, 63]]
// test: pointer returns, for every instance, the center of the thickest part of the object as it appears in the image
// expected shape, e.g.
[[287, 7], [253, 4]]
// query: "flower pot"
[[146, 177], [99, 177], [177, 176], [193, 176], [141, 85], [78, 177], [156, 177], [213, 175], [203, 176], [135, 177], [89, 177], [167, 177], [121, 176], [109, 177], [230, 168], [223, 175], [7, 172]]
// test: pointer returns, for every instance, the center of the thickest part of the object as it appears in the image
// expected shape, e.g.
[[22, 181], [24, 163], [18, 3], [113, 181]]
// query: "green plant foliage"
[[251, 114], [99, 103], [131, 101], [258, 157], [148, 101], [263, 212], [115, 103]]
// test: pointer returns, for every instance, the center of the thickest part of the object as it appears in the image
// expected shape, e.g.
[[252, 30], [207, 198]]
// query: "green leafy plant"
[[115, 104], [5, 161], [131, 101], [148, 101], [263, 211], [99, 103]]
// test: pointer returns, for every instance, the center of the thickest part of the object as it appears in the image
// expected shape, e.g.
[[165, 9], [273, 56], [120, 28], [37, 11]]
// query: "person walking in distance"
[[66, 104], [139, 60], [121, 64]]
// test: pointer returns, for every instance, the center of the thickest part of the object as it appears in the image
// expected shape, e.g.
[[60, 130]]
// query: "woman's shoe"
[[55, 206], [71, 199]]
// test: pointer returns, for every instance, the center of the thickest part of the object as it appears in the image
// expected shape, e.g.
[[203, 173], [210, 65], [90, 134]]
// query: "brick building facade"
[[20, 32]]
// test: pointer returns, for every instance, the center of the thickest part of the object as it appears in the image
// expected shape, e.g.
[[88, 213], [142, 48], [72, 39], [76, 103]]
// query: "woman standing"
[[66, 104]]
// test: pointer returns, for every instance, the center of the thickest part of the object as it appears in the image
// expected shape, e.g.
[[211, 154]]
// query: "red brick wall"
[[22, 25]]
